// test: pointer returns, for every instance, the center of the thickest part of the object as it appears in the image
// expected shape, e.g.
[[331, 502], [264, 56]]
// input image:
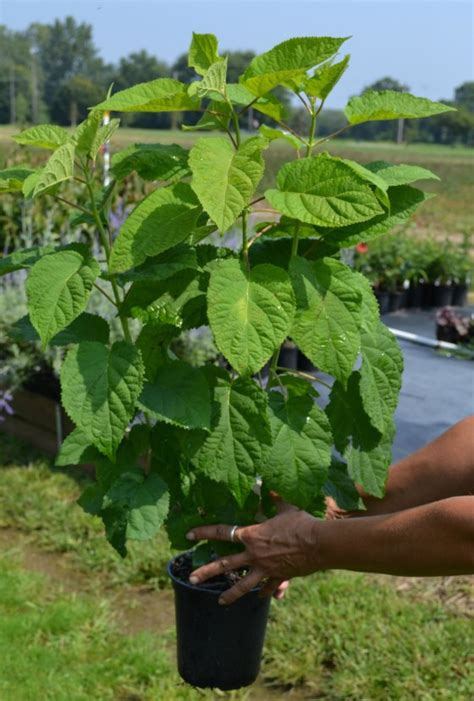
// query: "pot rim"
[[195, 587]]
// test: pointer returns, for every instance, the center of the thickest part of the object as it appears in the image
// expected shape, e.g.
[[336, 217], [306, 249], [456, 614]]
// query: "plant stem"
[[105, 294], [331, 136], [294, 245], [245, 240], [244, 109], [72, 204], [106, 245], [305, 375], [310, 144], [235, 120]]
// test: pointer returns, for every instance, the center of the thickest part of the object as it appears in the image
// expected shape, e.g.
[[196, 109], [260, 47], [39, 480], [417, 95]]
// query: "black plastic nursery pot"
[[218, 646], [383, 298], [288, 357], [459, 295], [427, 295], [395, 301], [442, 295], [305, 364], [414, 296]]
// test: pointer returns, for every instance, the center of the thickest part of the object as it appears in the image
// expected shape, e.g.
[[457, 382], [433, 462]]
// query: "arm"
[[427, 540], [441, 469]]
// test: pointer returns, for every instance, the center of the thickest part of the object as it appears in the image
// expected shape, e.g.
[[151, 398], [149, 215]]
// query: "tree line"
[[54, 72]]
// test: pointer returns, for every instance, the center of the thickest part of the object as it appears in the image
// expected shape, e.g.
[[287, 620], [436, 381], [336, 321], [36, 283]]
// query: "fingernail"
[[193, 579], [190, 536], [221, 601]]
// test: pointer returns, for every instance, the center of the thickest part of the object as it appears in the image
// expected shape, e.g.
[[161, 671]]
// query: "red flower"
[[362, 248]]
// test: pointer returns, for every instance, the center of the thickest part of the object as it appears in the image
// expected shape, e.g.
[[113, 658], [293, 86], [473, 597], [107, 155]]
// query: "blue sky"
[[427, 44]]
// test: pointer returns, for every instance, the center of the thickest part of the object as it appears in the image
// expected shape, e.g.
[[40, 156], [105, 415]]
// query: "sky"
[[426, 44]]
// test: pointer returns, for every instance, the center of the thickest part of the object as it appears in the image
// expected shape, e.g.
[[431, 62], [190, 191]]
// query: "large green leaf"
[[324, 191], [58, 289], [216, 117], [404, 200], [91, 134], [143, 500], [160, 95], [100, 387], [179, 394], [214, 82], [400, 174], [47, 136], [250, 313], [76, 450], [87, 327], [268, 104], [224, 179], [25, 258], [366, 450], [151, 162], [325, 78], [235, 450], [163, 266], [380, 375], [12, 179], [59, 168], [297, 464], [390, 104], [341, 487], [202, 52], [160, 221], [328, 314], [274, 134], [288, 61]]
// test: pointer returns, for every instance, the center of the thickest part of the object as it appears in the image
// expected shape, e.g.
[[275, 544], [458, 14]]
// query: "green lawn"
[[68, 630]]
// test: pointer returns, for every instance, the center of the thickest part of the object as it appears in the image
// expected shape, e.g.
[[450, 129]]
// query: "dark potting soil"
[[183, 566]]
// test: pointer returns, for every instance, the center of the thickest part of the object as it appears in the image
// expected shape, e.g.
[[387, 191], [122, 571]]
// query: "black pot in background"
[[427, 295], [442, 295], [218, 646], [288, 357], [460, 295], [383, 298], [395, 301], [305, 364], [414, 296]]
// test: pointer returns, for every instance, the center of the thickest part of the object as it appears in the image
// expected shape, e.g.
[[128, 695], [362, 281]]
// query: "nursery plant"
[[176, 445]]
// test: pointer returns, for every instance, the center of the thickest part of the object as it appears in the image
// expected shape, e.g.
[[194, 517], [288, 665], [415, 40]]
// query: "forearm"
[[429, 540], [443, 468]]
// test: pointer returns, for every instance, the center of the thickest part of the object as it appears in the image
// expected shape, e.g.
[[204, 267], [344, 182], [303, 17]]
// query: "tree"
[[464, 95], [73, 98], [15, 81]]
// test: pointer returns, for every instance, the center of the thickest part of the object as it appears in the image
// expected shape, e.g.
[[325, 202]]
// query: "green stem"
[[305, 375], [294, 245], [245, 240], [235, 120], [106, 245], [72, 204], [309, 147]]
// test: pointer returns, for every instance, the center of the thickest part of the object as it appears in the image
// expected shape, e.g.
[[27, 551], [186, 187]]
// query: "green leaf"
[[100, 387], [59, 168], [76, 450], [297, 464], [87, 327], [162, 220], [328, 314], [202, 52], [151, 162], [288, 61], [250, 313], [58, 289], [341, 488], [390, 104], [404, 201], [274, 134], [160, 95], [400, 174], [213, 82], [370, 312], [380, 375], [325, 78], [153, 342], [368, 176], [179, 394], [217, 116], [161, 267], [23, 259], [91, 135], [47, 136], [235, 450], [12, 179], [144, 501], [369, 467], [224, 179], [324, 191], [268, 105]]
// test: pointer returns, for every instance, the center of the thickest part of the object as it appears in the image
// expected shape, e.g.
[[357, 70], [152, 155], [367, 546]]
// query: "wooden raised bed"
[[38, 420]]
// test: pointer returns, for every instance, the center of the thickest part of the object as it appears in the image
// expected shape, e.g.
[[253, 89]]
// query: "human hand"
[[275, 550]]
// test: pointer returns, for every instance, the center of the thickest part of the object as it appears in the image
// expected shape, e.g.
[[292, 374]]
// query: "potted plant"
[[176, 445]]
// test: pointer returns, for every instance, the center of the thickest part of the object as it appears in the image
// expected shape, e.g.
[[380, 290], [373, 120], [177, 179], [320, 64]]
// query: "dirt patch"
[[136, 609], [455, 593]]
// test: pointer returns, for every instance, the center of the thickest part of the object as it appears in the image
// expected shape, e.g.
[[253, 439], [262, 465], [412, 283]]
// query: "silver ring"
[[232, 534]]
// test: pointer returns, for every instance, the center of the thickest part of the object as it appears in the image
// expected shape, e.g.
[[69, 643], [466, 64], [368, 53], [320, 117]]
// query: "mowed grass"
[[337, 636]]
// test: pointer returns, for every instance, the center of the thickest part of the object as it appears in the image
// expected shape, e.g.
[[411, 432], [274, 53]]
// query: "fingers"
[[270, 587], [281, 590], [242, 587], [220, 532], [220, 566], [281, 505]]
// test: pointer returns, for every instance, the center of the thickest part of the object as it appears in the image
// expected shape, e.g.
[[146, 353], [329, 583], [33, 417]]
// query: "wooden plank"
[[37, 436]]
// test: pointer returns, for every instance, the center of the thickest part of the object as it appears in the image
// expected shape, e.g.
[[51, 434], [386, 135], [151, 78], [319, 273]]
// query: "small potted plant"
[[176, 445]]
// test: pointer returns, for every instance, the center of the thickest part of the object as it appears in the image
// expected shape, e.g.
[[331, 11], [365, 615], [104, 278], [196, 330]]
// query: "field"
[[450, 214], [77, 622]]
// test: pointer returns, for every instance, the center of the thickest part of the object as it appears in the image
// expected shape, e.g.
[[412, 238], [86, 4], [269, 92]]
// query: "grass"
[[338, 636]]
